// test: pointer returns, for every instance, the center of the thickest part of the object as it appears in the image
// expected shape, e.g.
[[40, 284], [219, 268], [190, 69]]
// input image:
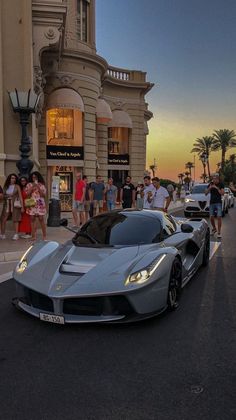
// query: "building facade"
[[91, 117]]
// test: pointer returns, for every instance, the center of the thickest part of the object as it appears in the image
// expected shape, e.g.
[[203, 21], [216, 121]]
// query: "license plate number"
[[56, 319]]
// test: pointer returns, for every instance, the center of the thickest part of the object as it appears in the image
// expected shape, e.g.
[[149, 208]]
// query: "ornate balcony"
[[126, 75]]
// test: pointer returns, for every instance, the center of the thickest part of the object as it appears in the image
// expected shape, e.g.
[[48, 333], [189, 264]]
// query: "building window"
[[82, 20], [64, 127], [118, 140]]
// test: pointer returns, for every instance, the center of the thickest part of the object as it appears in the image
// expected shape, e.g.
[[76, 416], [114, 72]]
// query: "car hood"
[[72, 270], [198, 197]]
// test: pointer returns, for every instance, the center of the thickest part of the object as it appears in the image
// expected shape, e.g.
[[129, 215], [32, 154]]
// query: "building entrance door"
[[118, 176]]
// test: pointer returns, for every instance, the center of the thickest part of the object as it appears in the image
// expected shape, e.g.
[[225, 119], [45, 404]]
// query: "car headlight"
[[22, 264], [189, 200], [145, 273]]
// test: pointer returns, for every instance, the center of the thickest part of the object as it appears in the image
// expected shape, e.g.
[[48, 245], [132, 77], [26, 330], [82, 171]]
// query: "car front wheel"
[[206, 251], [174, 285]]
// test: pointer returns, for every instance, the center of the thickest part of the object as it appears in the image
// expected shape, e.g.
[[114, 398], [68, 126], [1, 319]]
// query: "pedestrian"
[[170, 189], [139, 195], [12, 205], [1, 199], [148, 190], [127, 194], [35, 205], [160, 198], [78, 202], [25, 223], [216, 191], [111, 195], [175, 194], [87, 200], [182, 194], [98, 195]]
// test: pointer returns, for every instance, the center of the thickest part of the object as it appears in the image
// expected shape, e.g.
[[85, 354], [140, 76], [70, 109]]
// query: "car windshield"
[[199, 189], [119, 228]]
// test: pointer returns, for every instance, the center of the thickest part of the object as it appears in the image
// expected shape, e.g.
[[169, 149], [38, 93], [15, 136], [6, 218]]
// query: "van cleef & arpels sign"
[[114, 159], [65, 152]]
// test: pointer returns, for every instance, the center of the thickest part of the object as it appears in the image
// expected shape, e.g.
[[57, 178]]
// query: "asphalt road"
[[177, 366]]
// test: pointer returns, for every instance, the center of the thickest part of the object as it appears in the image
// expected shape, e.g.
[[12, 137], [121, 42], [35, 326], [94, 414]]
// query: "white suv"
[[199, 203]]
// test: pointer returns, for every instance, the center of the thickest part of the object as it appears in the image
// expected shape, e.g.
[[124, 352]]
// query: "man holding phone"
[[216, 191]]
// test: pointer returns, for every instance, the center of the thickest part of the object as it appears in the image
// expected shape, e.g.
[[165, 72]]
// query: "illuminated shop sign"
[[118, 159], [65, 152]]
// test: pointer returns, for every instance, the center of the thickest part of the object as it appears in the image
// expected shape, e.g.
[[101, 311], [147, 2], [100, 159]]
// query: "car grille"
[[202, 204], [191, 208], [101, 305], [35, 299]]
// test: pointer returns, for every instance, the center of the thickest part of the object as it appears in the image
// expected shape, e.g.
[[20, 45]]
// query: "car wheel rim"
[[175, 284]]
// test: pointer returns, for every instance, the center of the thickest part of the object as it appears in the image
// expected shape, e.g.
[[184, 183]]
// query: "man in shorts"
[[216, 191], [98, 195], [111, 195], [78, 203]]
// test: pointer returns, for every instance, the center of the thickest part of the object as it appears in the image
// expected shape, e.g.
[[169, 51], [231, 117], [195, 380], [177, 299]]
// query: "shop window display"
[[64, 127]]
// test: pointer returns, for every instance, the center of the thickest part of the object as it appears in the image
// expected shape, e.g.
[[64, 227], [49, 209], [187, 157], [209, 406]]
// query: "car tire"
[[206, 251], [175, 282], [187, 214]]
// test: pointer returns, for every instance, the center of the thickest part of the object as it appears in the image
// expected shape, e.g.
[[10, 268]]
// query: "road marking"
[[5, 277], [213, 248]]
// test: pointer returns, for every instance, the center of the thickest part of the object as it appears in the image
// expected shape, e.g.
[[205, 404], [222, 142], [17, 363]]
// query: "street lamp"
[[204, 159], [24, 103]]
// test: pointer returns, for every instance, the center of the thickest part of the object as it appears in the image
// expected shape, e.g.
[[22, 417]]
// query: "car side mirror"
[[186, 228]]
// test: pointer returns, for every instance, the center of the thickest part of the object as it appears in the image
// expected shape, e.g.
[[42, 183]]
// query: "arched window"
[[82, 20]]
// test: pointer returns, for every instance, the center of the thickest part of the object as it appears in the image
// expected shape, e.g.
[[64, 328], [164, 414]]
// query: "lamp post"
[[204, 159], [24, 103]]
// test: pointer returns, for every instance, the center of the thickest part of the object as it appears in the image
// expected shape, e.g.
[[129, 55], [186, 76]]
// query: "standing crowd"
[[95, 197], [23, 201]]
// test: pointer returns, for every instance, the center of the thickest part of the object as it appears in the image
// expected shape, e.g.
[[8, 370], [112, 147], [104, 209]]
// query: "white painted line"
[[213, 248], [5, 277]]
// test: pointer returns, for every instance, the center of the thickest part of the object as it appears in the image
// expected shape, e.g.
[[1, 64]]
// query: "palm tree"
[[189, 166], [181, 177], [204, 146], [224, 139]]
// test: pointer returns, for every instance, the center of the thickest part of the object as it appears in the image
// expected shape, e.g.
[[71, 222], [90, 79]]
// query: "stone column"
[[102, 149]]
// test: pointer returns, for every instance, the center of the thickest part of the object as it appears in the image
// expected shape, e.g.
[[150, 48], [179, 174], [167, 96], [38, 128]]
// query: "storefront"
[[65, 145], [119, 137]]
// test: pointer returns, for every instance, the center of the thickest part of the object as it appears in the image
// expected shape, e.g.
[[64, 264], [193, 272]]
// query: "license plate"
[[56, 319]]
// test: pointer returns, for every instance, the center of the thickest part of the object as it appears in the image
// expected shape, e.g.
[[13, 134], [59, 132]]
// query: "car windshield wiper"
[[86, 235]]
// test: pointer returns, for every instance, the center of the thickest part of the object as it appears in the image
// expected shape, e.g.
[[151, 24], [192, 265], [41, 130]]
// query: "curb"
[[11, 256], [5, 277]]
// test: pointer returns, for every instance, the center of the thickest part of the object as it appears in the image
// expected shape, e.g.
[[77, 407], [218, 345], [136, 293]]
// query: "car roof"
[[142, 213]]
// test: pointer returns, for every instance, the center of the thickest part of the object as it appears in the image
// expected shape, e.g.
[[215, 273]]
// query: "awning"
[[103, 111], [145, 128], [65, 98], [120, 119]]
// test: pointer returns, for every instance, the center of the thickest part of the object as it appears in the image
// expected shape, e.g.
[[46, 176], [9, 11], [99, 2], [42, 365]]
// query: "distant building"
[[92, 117]]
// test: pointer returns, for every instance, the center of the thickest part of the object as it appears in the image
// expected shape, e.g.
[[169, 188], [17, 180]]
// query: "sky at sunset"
[[187, 48]]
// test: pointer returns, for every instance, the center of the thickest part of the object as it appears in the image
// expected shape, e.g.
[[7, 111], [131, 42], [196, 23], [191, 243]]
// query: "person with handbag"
[[12, 205], [25, 223], [35, 203]]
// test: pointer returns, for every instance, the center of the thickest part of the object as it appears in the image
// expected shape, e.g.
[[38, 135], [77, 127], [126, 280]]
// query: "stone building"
[[91, 117]]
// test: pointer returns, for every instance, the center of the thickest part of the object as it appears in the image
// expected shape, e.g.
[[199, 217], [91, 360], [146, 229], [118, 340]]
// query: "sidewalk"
[[13, 250]]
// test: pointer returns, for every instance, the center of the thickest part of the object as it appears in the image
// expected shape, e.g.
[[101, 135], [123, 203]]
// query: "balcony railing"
[[126, 75]]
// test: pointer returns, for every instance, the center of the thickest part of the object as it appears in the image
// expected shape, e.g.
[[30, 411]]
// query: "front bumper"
[[92, 309]]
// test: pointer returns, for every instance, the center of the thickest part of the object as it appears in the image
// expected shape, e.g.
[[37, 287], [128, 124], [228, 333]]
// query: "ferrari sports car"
[[120, 266]]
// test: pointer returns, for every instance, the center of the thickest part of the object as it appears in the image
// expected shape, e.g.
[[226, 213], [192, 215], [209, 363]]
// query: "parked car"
[[197, 203], [120, 266], [230, 197]]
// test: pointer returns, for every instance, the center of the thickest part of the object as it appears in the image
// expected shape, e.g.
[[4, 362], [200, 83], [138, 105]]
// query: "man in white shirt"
[[148, 191], [160, 199]]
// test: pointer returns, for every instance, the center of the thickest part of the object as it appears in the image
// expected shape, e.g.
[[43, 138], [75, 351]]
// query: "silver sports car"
[[120, 266]]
